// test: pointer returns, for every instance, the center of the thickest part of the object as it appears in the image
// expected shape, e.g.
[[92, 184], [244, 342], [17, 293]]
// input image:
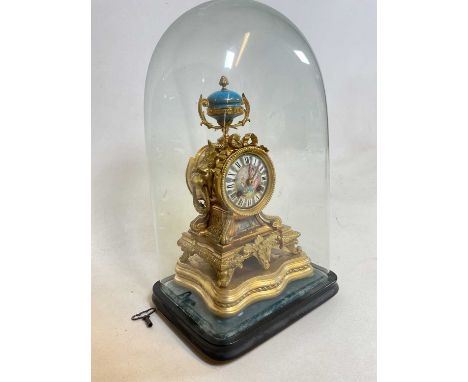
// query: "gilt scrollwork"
[[200, 182], [201, 171], [203, 102], [261, 249]]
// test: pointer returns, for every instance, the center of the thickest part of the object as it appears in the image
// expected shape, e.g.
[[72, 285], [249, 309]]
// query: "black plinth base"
[[227, 338]]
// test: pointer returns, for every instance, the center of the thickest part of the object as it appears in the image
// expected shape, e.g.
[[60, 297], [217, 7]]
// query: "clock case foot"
[[224, 339]]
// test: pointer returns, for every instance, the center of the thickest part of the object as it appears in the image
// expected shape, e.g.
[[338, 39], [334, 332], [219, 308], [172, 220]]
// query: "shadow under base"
[[227, 338]]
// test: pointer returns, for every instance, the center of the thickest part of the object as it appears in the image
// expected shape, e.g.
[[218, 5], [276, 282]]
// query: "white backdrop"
[[334, 343]]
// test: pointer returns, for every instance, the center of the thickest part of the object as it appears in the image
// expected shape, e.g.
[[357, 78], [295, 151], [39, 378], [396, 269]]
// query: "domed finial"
[[223, 81]]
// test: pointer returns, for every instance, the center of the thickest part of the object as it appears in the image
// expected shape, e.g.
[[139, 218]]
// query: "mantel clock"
[[231, 182]]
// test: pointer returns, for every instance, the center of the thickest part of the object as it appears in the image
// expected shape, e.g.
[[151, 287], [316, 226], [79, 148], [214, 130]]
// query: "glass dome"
[[266, 57]]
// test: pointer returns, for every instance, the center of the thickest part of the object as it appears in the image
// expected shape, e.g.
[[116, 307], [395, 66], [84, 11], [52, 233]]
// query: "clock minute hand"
[[254, 175], [249, 178]]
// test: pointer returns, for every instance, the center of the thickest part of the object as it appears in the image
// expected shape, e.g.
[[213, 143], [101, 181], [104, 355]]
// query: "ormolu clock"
[[231, 182]]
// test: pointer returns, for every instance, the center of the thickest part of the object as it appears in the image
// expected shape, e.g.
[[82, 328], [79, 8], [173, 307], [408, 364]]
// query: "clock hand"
[[254, 172], [254, 175], [249, 177]]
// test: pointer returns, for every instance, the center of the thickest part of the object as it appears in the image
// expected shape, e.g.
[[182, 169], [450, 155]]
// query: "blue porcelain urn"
[[224, 105]]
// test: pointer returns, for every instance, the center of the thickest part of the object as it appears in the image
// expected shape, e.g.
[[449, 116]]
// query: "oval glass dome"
[[266, 57]]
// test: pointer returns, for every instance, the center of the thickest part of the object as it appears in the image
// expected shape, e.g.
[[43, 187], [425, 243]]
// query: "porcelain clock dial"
[[247, 181]]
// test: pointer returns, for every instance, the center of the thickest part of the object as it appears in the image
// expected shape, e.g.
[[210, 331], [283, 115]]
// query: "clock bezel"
[[268, 192]]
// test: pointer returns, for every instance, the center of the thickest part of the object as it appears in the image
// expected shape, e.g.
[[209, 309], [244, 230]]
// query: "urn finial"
[[223, 81], [224, 105]]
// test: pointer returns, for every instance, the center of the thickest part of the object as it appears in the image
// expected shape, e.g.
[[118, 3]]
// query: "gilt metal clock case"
[[231, 181]]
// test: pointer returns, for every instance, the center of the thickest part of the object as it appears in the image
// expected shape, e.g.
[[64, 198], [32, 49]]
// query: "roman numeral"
[[246, 159], [238, 164], [230, 186], [261, 168], [254, 161], [249, 202]]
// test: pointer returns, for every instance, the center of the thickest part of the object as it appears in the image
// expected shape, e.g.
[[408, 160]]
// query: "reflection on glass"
[[244, 43], [229, 59], [302, 56]]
